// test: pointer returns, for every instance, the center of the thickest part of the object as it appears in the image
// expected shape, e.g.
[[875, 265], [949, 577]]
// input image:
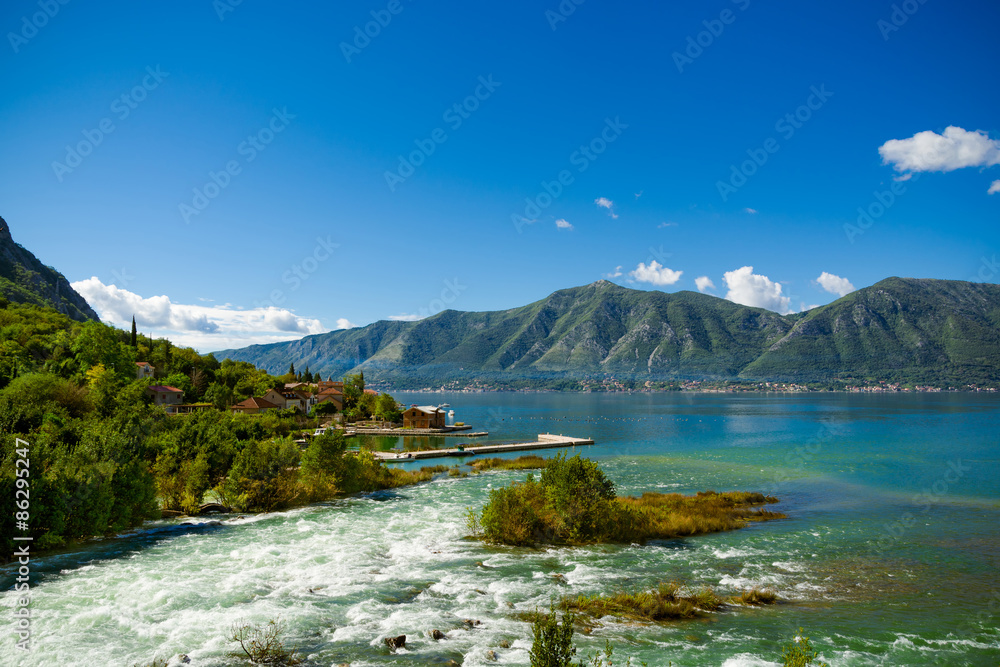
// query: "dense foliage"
[[102, 458], [575, 503]]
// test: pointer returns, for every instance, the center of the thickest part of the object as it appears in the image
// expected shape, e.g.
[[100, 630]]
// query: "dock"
[[545, 441], [447, 431]]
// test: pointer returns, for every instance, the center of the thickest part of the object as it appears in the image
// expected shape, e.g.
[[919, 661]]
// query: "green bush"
[[799, 653], [552, 643], [263, 478], [575, 503]]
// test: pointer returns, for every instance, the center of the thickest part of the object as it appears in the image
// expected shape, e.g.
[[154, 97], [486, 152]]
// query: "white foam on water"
[[748, 660], [789, 566]]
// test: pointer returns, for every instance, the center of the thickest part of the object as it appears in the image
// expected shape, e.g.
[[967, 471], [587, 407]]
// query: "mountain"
[[24, 279], [599, 328], [900, 329]]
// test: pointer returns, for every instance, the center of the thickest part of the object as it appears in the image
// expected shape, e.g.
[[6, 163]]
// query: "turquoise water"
[[890, 554]]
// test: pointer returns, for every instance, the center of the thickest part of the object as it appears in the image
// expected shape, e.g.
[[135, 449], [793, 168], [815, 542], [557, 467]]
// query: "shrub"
[[575, 503], [552, 644], [799, 653], [264, 477], [262, 644]]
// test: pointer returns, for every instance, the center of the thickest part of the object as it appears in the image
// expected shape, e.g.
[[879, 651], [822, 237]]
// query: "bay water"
[[890, 554]]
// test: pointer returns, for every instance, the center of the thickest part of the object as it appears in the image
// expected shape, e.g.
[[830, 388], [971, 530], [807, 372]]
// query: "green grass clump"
[[755, 597], [575, 503], [528, 462], [433, 470], [664, 603]]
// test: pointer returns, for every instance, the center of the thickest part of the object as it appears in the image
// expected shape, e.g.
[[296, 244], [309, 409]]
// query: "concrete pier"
[[545, 441]]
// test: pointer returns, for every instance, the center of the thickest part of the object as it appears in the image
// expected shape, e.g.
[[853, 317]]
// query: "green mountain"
[[899, 330], [24, 279]]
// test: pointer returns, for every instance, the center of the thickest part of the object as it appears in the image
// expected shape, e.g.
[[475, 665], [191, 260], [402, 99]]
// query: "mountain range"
[[900, 329], [24, 279]]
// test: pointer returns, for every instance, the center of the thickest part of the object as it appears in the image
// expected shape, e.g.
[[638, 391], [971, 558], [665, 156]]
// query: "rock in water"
[[437, 634], [395, 642]]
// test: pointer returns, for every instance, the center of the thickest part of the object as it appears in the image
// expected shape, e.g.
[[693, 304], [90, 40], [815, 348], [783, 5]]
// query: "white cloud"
[[617, 273], [704, 283], [835, 284], [204, 328], [655, 274], [803, 307], [407, 317], [749, 210], [666, 224], [749, 289], [344, 323], [954, 149], [562, 224], [994, 188], [604, 202]]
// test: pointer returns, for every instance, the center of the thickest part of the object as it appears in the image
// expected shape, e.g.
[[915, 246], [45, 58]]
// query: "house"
[[254, 406], [144, 370], [287, 400], [423, 416], [165, 396], [323, 384], [308, 398], [331, 395]]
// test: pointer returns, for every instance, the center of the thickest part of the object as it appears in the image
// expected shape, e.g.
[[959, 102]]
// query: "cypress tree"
[[135, 334]]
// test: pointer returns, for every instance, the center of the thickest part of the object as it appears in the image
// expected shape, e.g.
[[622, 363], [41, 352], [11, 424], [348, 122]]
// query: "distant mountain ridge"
[[900, 329], [24, 279]]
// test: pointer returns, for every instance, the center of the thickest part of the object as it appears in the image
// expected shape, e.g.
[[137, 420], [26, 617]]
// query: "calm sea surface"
[[890, 554]]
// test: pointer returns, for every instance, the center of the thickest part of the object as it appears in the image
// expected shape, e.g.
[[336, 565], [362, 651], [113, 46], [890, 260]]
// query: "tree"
[[386, 408], [135, 335], [552, 645], [291, 369]]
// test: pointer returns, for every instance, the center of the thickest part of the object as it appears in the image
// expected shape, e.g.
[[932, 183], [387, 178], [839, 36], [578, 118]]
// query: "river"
[[890, 554]]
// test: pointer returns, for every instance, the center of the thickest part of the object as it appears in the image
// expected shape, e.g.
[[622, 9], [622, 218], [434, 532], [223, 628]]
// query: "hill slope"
[[24, 279], [899, 329]]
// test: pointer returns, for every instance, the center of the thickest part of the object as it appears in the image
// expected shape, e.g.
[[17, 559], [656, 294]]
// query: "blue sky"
[[644, 108]]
